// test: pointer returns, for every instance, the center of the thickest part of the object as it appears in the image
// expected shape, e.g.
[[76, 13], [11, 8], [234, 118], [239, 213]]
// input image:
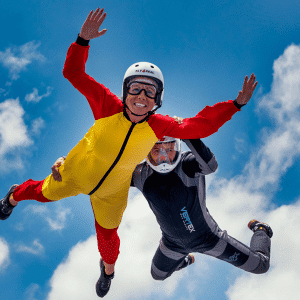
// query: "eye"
[[150, 90]]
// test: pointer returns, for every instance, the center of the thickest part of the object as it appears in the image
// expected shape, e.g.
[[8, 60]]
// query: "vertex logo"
[[144, 71], [186, 220], [233, 257]]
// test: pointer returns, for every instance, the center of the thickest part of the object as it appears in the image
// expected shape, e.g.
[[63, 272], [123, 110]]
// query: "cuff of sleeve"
[[239, 106], [82, 42]]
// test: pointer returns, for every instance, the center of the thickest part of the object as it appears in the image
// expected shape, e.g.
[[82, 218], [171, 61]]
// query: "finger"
[[89, 15], [101, 19], [245, 83], [254, 86], [252, 79], [97, 13]]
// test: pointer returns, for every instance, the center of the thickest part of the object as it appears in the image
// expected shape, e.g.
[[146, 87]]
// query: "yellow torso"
[[90, 159]]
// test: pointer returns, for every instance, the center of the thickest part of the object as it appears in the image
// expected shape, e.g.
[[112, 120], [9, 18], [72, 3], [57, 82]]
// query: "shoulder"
[[161, 124], [140, 174], [189, 164]]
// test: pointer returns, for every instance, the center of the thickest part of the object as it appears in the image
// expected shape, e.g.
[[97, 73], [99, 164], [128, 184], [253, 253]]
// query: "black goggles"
[[136, 87]]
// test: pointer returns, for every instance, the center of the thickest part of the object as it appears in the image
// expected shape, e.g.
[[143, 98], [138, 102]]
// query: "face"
[[141, 104], [162, 153]]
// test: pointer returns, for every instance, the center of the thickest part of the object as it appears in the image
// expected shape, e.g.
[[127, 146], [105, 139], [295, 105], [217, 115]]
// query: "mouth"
[[139, 105]]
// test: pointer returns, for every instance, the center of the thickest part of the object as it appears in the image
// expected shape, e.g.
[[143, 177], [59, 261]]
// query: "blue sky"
[[48, 251]]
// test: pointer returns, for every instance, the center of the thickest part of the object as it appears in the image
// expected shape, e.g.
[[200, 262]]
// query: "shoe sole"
[[264, 227], [11, 190]]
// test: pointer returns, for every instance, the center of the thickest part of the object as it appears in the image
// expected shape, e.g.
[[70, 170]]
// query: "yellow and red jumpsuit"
[[102, 163]]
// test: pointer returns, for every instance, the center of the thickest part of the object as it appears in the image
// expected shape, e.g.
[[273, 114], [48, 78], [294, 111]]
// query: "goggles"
[[165, 155], [136, 87]]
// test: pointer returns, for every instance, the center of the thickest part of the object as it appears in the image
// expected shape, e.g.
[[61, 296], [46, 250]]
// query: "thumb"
[[102, 32]]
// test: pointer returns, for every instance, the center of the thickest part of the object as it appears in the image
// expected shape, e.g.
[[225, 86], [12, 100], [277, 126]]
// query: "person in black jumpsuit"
[[177, 197], [173, 183]]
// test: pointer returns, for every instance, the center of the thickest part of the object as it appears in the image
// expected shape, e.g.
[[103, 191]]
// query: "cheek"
[[128, 100], [172, 156], [154, 155], [152, 103]]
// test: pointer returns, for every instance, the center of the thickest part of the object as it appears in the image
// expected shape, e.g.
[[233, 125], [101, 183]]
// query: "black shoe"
[[189, 259], [5, 207], [103, 283], [255, 225]]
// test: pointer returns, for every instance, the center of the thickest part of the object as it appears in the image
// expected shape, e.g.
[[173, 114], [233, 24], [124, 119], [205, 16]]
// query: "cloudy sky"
[[204, 49]]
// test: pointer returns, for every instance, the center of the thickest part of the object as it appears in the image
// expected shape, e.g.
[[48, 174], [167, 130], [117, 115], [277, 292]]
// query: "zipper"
[[116, 160]]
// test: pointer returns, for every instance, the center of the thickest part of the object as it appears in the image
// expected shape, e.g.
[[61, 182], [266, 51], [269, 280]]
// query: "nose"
[[142, 94], [163, 158]]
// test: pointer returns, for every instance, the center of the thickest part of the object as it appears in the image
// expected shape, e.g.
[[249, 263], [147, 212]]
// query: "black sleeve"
[[132, 183], [201, 160], [239, 106], [82, 42]]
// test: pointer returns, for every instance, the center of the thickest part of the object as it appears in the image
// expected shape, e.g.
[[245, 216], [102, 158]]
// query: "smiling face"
[[140, 104]]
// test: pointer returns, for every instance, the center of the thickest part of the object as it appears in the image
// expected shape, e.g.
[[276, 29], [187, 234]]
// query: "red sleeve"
[[102, 102], [204, 124]]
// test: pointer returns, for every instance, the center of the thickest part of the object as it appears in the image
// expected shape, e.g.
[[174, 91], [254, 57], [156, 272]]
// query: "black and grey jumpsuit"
[[178, 200]]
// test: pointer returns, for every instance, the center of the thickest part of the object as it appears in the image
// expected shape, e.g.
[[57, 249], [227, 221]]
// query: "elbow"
[[65, 73], [213, 164]]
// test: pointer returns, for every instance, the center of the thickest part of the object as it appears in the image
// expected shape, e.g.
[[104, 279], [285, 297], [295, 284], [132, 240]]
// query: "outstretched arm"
[[209, 119], [91, 26], [102, 102]]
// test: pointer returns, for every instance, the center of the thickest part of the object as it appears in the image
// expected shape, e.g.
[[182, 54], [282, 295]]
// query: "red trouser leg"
[[108, 243], [30, 190]]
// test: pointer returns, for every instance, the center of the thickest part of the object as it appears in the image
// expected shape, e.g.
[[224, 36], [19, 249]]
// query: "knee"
[[262, 268], [157, 277]]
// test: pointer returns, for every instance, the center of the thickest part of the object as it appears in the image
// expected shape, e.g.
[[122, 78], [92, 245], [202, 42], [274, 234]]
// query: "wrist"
[[81, 41], [239, 106]]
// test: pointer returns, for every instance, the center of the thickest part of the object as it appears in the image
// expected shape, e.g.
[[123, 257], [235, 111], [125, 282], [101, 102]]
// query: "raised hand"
[[248, 88], [90, 27]]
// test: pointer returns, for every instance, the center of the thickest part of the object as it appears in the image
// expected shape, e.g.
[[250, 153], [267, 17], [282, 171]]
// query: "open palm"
[[90, 28]]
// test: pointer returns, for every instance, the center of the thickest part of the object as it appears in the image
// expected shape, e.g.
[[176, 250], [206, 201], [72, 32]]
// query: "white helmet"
[[165, 155], [144, 69]]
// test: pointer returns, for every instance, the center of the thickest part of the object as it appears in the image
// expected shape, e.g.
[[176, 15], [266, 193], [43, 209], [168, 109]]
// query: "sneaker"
[[5, 207], [189, 259], [103, 283], [255, 225]]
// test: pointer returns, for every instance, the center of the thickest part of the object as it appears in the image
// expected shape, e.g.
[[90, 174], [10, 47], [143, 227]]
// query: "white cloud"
[[139, 233], [16, 59], [34, 96], [31, 291], [13, 134], [37, 125], [282, 280], [280, 148], [56, 219], [36, 248], [4, 254], [59, 222]]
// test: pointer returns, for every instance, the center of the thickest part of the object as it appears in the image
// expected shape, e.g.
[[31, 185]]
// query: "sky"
[[204, 49]]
